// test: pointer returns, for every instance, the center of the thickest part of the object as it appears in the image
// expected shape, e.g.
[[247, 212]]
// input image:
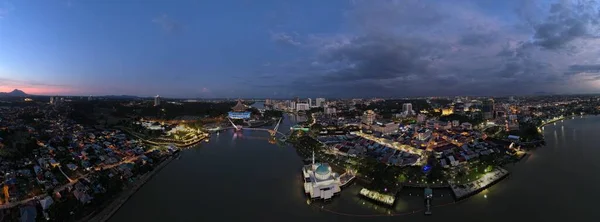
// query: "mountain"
[[14, 93]]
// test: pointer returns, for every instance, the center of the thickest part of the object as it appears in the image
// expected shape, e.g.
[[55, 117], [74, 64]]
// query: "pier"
[[388, 200]]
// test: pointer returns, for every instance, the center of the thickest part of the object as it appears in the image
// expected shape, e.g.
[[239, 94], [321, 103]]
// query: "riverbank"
[[179, 144], [462, 191], [116, 203]]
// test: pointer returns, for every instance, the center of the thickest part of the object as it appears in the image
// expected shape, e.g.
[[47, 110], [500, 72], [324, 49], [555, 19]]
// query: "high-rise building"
[[488, 109], [407, 108], [51, 99], [302, 106], [310, 104], [90, 98], [368, 117], [320, 102], [157, 100], [293, 105]]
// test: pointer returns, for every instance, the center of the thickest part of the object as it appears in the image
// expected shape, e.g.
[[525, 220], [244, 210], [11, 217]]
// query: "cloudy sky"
[[285, 48]]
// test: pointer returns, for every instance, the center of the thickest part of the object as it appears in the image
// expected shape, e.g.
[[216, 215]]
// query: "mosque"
[[319, 181]]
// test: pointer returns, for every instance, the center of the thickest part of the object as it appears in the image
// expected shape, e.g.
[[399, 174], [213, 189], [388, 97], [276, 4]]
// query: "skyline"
[[276, 49]]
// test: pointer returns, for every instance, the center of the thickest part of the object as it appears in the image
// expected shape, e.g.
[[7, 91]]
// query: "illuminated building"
[[239, 111], [157, 100], [319, 181], [385, 128], [368, 117], [407, 109], [447, 111]]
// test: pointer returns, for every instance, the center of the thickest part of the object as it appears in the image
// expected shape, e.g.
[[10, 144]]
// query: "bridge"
[[273, 132]]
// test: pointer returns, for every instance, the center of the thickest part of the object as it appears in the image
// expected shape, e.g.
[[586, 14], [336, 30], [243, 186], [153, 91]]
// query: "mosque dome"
[[323, 172]]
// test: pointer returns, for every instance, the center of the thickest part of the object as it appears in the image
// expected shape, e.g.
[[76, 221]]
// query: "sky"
[[309, 48]]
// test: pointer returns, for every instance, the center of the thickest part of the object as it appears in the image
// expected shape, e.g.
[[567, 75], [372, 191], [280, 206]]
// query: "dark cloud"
[[447, 49], [167, 24], [578, 69], [376, 57], [566, 23], [478, 39]]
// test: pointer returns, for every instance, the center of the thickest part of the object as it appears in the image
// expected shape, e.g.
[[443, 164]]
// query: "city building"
[[385, 128], [239, 111], [319, 181], [55, 100], [310, 104], [330, 110], [157, 100], [407, 109], [488, 109], [320, 102], [302, 106], [447, 111], [421, 118], [368, 117]]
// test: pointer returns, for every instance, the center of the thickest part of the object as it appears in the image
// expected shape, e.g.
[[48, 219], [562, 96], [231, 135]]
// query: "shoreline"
[[122, 198]]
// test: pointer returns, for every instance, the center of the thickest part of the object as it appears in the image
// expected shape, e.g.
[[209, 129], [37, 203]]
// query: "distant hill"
[[14, 93]]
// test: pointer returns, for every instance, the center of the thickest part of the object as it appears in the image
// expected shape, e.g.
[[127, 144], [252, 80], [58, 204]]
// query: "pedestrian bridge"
[[273, 132]]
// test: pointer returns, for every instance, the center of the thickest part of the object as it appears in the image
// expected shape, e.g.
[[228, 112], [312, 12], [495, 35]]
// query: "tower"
[[157, 100]]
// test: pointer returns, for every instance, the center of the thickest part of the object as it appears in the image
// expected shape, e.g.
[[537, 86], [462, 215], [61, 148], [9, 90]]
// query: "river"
[[242, 177]]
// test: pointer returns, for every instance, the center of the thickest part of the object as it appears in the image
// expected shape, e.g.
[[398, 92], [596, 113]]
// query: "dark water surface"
[[244, 178]]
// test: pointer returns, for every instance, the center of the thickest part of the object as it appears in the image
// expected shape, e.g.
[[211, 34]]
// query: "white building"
[[302, 106], [407, 109], [319, 181], [310, 103], [157, 100], [386, 128], [330, 111], [320, 102]]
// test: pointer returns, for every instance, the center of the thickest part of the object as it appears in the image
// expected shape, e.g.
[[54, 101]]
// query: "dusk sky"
[[306, 48]]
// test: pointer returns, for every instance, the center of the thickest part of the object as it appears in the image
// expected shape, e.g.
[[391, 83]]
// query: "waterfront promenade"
[[465, 190]]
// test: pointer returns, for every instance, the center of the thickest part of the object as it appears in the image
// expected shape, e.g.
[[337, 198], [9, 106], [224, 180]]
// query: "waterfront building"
[[319, 181], [239, 111], [157, 100]]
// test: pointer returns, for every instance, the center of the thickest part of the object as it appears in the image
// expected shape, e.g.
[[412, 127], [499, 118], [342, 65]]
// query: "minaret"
[[313, 158]]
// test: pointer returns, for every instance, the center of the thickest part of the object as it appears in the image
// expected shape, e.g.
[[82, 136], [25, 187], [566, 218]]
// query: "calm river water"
[[242, 177]]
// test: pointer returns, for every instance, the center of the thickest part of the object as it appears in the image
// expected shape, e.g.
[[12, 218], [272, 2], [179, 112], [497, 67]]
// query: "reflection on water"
[[259, 183]]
